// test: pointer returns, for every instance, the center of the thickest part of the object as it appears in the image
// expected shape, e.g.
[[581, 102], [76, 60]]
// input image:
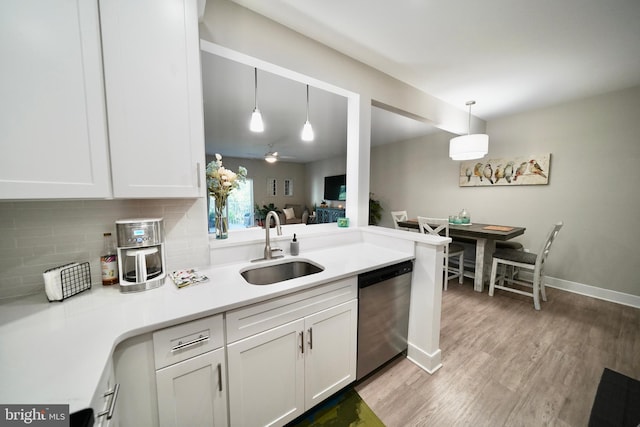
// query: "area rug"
[[617, 401], [345, 409]]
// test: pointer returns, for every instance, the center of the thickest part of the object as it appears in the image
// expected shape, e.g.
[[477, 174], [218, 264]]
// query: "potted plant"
[[261, 213], [375, 210]]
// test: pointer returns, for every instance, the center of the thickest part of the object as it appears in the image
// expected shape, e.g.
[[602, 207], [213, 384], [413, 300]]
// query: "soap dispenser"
[[295, 249]]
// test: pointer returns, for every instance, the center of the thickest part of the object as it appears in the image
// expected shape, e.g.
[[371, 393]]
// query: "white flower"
[[221, 181]]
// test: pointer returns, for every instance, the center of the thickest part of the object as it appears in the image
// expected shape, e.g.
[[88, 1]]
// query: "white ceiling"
[[507, 55], [228, 89]]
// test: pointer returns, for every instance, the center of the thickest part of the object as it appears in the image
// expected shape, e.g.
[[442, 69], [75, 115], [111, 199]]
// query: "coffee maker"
[[141, 258]]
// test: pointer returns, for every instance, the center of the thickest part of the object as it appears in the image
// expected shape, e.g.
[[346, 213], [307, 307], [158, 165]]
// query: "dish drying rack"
[[67, 280]]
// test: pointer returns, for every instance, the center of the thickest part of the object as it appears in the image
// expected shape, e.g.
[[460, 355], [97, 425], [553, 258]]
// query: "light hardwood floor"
[[505, 364]]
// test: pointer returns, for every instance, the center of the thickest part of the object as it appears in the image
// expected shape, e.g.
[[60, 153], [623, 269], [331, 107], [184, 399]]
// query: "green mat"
[[345, 409]]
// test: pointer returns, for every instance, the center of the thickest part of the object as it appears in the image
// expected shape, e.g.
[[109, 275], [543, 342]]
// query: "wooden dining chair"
[[523, 261], [397, 217], [440, 227]]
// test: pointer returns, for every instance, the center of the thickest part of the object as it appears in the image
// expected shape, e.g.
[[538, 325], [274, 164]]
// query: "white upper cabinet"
[[53, 134], [154, 97]]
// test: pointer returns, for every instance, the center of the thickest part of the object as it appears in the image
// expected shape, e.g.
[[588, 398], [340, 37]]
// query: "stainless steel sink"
[[280, 272]]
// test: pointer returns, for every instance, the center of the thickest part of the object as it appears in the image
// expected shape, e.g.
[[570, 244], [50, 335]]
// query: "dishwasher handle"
[[383, 274]]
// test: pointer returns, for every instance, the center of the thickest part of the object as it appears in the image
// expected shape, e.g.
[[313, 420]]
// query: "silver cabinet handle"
[[112, 405], [310, 331], [219, 377], [198, 173], [182, 345], [301, 342]]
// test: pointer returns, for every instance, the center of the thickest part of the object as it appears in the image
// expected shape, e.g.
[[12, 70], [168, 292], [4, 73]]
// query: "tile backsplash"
[[37, 235]]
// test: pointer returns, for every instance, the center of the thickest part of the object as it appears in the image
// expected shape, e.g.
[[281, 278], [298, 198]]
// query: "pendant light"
[[307, 130], [469, 146], [256, 124]]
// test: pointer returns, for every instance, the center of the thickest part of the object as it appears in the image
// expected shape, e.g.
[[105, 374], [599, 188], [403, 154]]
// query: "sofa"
[[294, 214]]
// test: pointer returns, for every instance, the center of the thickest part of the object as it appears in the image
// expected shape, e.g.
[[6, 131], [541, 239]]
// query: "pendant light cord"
[[307, 102], [255, 92], [470, 103]]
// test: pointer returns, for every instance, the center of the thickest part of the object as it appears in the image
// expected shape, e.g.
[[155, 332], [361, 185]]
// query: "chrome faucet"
[[268, 252]]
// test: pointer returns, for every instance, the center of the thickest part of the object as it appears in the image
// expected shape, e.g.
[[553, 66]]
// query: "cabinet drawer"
[[256, 318], [181, 342]]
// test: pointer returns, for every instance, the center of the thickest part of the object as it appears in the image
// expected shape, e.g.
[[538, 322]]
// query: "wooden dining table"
[[484, 236]]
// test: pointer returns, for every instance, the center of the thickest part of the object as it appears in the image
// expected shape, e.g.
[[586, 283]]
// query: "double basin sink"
[[275, 273]]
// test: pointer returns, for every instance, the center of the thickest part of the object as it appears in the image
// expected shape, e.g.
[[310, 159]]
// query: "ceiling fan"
[[273, 156]]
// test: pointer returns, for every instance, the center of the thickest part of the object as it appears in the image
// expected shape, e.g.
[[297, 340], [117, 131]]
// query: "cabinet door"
[[193, 392], [266, 373], [53, 134], [105, 401], [154, 97], [330, 358]]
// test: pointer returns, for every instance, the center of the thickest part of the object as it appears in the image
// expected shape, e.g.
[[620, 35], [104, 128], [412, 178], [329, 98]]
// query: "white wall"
[[594, 177]]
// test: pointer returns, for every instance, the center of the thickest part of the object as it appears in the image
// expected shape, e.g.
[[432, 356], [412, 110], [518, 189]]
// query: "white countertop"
[[56, 352]]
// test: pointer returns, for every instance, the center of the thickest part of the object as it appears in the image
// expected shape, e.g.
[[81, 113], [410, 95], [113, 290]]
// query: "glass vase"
[[222, 222]]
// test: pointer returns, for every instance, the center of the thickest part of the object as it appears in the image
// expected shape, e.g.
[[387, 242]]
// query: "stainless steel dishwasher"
[[383, 315]]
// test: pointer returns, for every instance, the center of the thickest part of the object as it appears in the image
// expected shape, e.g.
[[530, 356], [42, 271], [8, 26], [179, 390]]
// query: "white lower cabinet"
[[278, 374], [282, 357], [174, 376], [191, 374], [330, 354], [266, 375], [135, 372], [193, 392], [105, 400]]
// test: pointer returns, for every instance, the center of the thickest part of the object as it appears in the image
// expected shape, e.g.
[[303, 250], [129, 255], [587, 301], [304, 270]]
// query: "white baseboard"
[[425, 361], [594, 292]]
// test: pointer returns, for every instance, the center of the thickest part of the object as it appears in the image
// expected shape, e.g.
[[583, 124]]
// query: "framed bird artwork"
[[522, 170]]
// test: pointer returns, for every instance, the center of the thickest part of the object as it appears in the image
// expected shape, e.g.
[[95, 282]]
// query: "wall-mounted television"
[[335, 187]]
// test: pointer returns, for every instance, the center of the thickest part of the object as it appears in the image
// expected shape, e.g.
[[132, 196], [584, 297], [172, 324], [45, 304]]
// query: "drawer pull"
[[182, 345], [301, 342], [219, 377], [112, 404], [310, 331]]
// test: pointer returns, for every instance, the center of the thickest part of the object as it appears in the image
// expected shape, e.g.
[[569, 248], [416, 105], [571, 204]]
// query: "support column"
[[426, 307]]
